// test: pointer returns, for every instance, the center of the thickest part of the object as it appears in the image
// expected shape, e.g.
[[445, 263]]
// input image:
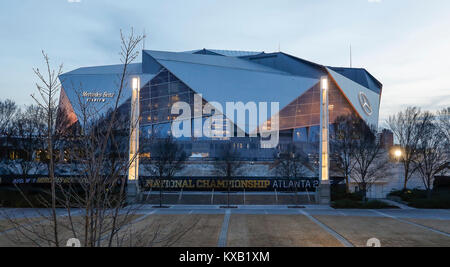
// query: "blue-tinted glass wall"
[[158, 96]]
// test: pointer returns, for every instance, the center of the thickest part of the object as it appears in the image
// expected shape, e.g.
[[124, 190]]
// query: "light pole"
[[325, 192], [133, 171]]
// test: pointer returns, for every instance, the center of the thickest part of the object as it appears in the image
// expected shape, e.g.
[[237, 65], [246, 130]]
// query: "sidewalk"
[[245, 207]]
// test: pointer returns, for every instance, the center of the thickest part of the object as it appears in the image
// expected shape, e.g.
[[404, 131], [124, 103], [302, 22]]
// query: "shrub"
[[438, 201], [40, 197], [419, 198], [351, 204], [14, 199], [408, 195], [375, 204], [339, 193], [396, 193], [345, 204]]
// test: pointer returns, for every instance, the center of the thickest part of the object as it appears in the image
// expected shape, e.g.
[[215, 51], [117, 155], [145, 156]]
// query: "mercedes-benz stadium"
[[221, 76]]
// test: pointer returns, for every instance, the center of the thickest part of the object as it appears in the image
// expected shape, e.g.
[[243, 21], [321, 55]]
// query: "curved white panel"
[[365, 101]]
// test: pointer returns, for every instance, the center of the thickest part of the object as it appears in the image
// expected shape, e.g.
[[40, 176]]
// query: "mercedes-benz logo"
[[365, 103]]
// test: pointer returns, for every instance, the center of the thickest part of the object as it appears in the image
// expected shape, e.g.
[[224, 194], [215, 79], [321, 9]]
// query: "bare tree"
[[408, 126], [8, 109], [432, 156], [343, 145], [443, 121], [98, 193], [93, 203], [48, 88], [167, 159], [8, 113], [291, 164], [29, 131], [102, 159], [371, 161], [228, 165]]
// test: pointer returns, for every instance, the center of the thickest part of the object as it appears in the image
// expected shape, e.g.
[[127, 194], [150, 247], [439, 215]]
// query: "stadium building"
[[226, 76]]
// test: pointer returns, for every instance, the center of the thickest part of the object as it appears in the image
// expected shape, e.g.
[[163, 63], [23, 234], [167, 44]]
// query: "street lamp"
[[398, 153]]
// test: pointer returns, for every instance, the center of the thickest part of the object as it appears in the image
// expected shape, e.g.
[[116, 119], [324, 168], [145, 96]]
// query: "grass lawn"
[[391, 233], [247, 230], [277, 231]]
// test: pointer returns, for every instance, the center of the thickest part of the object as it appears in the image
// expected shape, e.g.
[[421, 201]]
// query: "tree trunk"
[[51, 171], [364, 198], [429, 190], [347, 185], [160, 193], [429, 193], [405, 186], [364, 193], [228, 195]]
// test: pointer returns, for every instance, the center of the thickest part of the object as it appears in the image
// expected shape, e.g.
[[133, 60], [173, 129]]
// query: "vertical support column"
[[324, 193], [133, 171]]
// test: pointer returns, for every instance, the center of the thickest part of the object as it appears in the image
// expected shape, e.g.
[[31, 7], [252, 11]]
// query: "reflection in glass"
[[305, 110]]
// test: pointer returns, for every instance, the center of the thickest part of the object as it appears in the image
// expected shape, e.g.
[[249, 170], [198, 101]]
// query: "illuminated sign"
[[97, 97], [249, 184], [365, 103], [186, 183]]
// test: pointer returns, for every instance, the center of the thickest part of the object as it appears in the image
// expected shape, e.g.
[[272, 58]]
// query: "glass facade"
[[305, 110], [299, 121], [157, 98], [303, 114], [307, 134]]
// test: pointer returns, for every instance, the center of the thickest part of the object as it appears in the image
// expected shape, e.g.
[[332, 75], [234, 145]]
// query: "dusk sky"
[[403, 43]]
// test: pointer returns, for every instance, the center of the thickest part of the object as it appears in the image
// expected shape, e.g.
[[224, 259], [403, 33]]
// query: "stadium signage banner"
[[39, 180], [249, 184], [189, 184]]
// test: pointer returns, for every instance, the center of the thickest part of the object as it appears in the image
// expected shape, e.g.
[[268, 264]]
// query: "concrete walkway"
[[224, 232], [259, 210]]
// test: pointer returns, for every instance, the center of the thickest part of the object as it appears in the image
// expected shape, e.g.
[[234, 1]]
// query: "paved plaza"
[[282, 226]]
